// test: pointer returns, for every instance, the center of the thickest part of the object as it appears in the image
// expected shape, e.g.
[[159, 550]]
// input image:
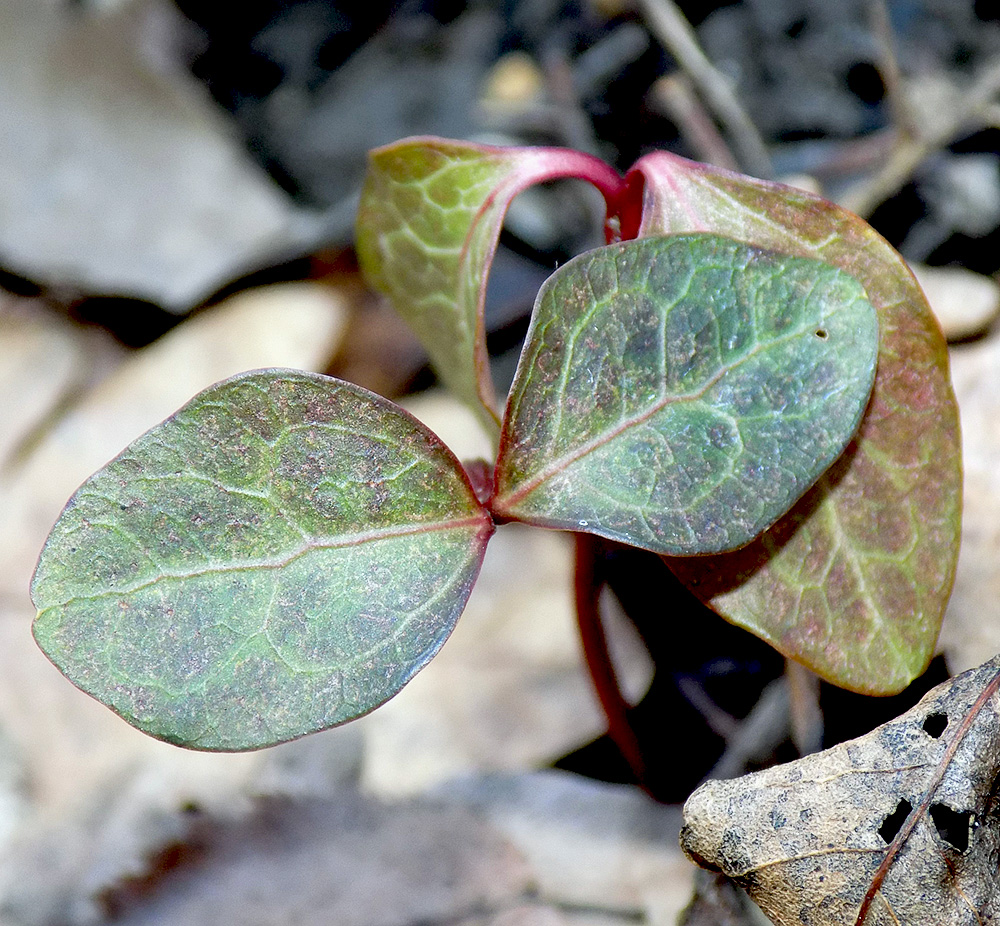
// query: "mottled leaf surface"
[[854, 580], [680, 393], [897, 828], [427, 229], [280, 556]]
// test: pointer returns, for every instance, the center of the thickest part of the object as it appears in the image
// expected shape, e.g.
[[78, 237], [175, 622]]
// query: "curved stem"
[[587, 588]]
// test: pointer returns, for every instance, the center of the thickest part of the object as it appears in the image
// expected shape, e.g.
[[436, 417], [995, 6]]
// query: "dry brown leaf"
[[539, 849], [965, 303], [591, 845], [40, 359], [508, 691], [897, 828]]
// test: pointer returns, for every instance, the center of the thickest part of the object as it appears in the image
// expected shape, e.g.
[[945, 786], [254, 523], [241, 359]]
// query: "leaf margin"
[[461, 359], [730, 583], [478, 523]]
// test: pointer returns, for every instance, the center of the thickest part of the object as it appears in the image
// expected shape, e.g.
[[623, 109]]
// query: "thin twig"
[[758, 734], [675, 97], [720, 722], [888, 66], [967, 110], [804, 711], [674, 32]]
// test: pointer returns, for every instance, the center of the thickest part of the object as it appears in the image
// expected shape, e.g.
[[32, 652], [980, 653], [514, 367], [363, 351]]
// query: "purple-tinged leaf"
[[280, 556], [427, 229], [680, 393], [854, 580]]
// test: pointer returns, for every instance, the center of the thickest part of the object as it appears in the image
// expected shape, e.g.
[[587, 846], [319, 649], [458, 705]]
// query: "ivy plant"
[[746, 380]]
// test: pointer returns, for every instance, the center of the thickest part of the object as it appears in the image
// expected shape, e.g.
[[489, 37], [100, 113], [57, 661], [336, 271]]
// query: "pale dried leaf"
[[965, 303], [117, 174], [971, 632], [508, 691], [897, 828], [69, 742], [592, 846], [347, 860], [40, 357], [537, 849]]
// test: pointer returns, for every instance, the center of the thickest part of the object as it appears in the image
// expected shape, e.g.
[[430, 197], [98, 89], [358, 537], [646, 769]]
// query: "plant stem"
[[588, 585]]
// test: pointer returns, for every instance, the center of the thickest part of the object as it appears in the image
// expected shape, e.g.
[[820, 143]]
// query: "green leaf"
[[280, 556], [853, 582], [681, 393], [428, 223]]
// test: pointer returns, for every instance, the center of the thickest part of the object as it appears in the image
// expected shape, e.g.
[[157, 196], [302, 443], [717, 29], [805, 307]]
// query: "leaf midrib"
[[595, 443], [480, 520]]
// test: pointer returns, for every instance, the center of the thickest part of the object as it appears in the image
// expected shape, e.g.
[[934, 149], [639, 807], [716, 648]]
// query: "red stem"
[[588, 585]]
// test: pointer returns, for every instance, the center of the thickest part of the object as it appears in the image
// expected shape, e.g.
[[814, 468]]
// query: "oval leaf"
[[427, 229], [854, 581], [681, 393], [280, 556]]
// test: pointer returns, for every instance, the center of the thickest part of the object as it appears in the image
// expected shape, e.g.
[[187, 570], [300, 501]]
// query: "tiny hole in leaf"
[[822, 334], [934, 724], [894, 822], [953, 826]]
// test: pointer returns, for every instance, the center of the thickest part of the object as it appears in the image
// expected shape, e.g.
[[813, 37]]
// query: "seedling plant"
[[746, 380]]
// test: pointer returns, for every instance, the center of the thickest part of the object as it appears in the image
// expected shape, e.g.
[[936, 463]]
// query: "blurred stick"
[[674, 32], [903, 117], [674, 96], [758, 734], [969, 109], [804, 711]]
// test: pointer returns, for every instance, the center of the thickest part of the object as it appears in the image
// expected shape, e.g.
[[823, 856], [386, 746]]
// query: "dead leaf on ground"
[[117, 174], [592, 845], [970, 633], [348, 860], [68, 742], [897, 828], [41, 358], [508, 691], [965, 303], [538, 849]]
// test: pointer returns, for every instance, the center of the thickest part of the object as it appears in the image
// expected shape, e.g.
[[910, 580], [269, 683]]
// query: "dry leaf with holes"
[[897, 828]]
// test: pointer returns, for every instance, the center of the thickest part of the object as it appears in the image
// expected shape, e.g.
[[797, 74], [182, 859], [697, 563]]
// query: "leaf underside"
[[853, 582], [428, 222], [681, 393], [280, 556], [900, 826]]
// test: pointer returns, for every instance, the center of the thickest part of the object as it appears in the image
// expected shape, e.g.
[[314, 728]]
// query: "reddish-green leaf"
[[427, 229], [280, 556], [854, 580], [680, 393]]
